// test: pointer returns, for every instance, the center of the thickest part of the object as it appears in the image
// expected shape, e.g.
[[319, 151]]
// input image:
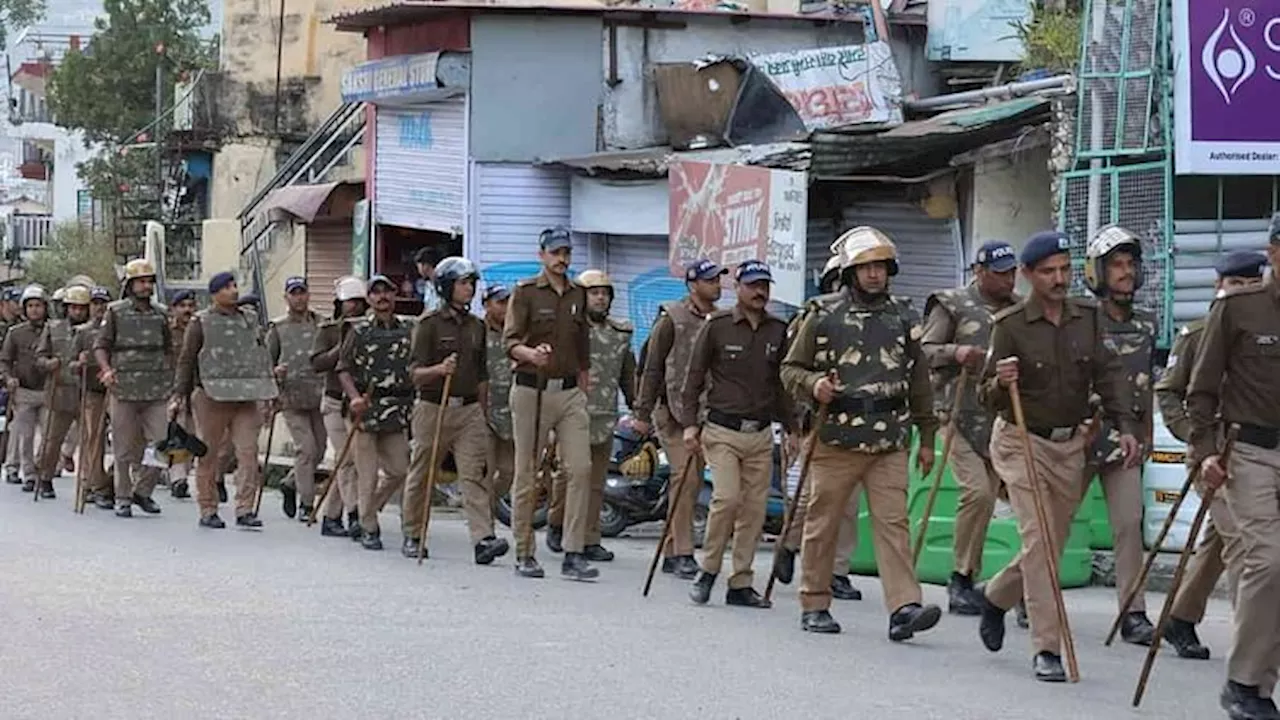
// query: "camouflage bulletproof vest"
[[67, 396], [610, 342], [499, 383], [234, 364], [302, 387], [1133, 341], [144, 372], [972, 319], [382, 362], [867, 347], [686, 324]]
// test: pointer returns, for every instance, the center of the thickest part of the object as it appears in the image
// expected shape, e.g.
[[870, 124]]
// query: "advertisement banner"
[[1226, 87], [733, 213], [361, 240], [838, 86]]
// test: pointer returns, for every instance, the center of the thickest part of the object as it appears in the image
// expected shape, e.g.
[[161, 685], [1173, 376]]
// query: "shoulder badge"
[[1085, 302], [721, 313], [527, 281], [1013, 309]]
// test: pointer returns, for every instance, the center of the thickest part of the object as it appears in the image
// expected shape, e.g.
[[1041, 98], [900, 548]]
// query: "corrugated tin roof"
[[400, 12], [653, 161]]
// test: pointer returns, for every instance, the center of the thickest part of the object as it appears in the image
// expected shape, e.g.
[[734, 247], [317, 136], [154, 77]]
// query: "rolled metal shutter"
[[420, 166], [929, 250], [513, 204], [328, 258], [637, 264], [1197, 245]]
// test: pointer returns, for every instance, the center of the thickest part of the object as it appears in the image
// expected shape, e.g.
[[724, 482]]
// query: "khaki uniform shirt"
[[18, 355], [441, 333], [1171, 391], [538, 314], [742, 363]]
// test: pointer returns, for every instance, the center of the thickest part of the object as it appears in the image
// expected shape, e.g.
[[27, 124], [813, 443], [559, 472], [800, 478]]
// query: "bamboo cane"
[[673, 496], [1205, 501], [948, 441], [266, 462], [78, 504], [431, 470], [337, 466], [790, 519], [1051, 549]]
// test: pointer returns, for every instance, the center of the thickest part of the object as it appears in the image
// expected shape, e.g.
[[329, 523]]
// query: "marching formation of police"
[[1035, 396]]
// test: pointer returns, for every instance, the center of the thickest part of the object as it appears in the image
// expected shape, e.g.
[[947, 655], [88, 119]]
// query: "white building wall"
[[68, 152]]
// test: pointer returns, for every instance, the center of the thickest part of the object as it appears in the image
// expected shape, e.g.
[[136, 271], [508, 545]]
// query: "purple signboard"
[[1227, 86]]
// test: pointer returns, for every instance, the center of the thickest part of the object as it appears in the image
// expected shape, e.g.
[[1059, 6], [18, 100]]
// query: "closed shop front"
[[512, 204], [637, 264], [328, 258], [930, 256], [420, 166]]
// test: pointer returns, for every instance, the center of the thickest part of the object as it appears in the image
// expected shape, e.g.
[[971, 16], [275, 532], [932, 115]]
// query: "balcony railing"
[[28, 232]]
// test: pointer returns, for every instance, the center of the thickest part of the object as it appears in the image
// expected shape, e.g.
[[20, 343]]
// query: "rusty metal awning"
[[652, 162], [303, 202]]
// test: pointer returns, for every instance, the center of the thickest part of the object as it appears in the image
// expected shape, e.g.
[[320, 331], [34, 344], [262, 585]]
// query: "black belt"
[[335, 395], [454, 400], [1267, 438], [737, 423], [1054, 434], [530, 380], [866, 406]]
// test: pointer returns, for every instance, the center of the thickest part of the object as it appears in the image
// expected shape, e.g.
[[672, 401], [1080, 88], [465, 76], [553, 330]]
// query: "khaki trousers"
[[134, 425], [500, 462], [1122, 488], [846, 537], [979, 484], [386, 451], [679, 509], [564, 411], [600, 455], [92, 453], [344, 494], [741, 467], [182, 470], [837, 474], [50, 462], [1220, 550], [1253, 496], [1059, 467], [465, 434], [220, 422], [68, 449], [27, 405], [306, 427]]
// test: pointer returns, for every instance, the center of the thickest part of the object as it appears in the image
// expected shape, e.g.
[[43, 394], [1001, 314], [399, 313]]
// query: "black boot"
[[529, 568], [29, 486], [490, 549], [332, 527], [1020, 615], [1137, 629], [46, 490], [11, 477], [991, 627], [1243, 702], [682, 566], [1047, 667], [597, 553], [104, 501], [304, 513], [149, 506], [371, 540], [212, 521], [701, 590], [555, 538], [354, 531], [842, 588], [179, 490], [961, 599], [913, 618], [819, 621], [248, 520], [124, 510], [1182, 636], [784, 564], [222, 491], [576, 567], [289, 500], [409, 548], [746, 597]]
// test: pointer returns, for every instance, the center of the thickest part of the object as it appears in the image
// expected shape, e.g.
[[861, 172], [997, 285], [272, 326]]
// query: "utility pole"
[[155, 131]]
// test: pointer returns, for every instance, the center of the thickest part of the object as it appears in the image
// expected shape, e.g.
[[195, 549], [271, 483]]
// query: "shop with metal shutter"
[[328, 258], [512, 204], [930, 256], [420, 168], [637, 264]]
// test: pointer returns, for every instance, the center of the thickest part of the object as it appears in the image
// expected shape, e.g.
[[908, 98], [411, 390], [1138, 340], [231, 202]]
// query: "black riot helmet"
[[449, 271]]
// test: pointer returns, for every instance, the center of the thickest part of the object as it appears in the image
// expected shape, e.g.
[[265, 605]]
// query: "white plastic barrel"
[[1162, 480]]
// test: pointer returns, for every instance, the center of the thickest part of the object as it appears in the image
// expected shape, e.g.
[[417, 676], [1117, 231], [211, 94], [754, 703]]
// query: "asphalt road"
[[154, 617]]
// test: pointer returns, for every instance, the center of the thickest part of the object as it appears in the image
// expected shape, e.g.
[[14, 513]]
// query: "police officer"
[[98, 484], [181, 310], [56, 303], [1220, 548], [224, 373], [25, 379], [450, 341], [1054, 347], [349, 304], [501, 458], [546, 334], [957, 329], [613, 370], [70, 442], [861, 357], [290, 338], [1237, 378], [784, 553], [1113, 273], [735, 359], [665, 363], [9, 316], [57, 358], [373, 367]]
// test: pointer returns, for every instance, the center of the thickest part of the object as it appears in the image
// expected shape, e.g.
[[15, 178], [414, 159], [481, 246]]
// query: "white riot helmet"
[[350, 288], [32, 292], [1108, 240], [830, 274]]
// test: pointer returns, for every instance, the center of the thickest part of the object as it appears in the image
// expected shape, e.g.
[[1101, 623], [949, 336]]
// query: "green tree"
[[74, 249], [17, 14]]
